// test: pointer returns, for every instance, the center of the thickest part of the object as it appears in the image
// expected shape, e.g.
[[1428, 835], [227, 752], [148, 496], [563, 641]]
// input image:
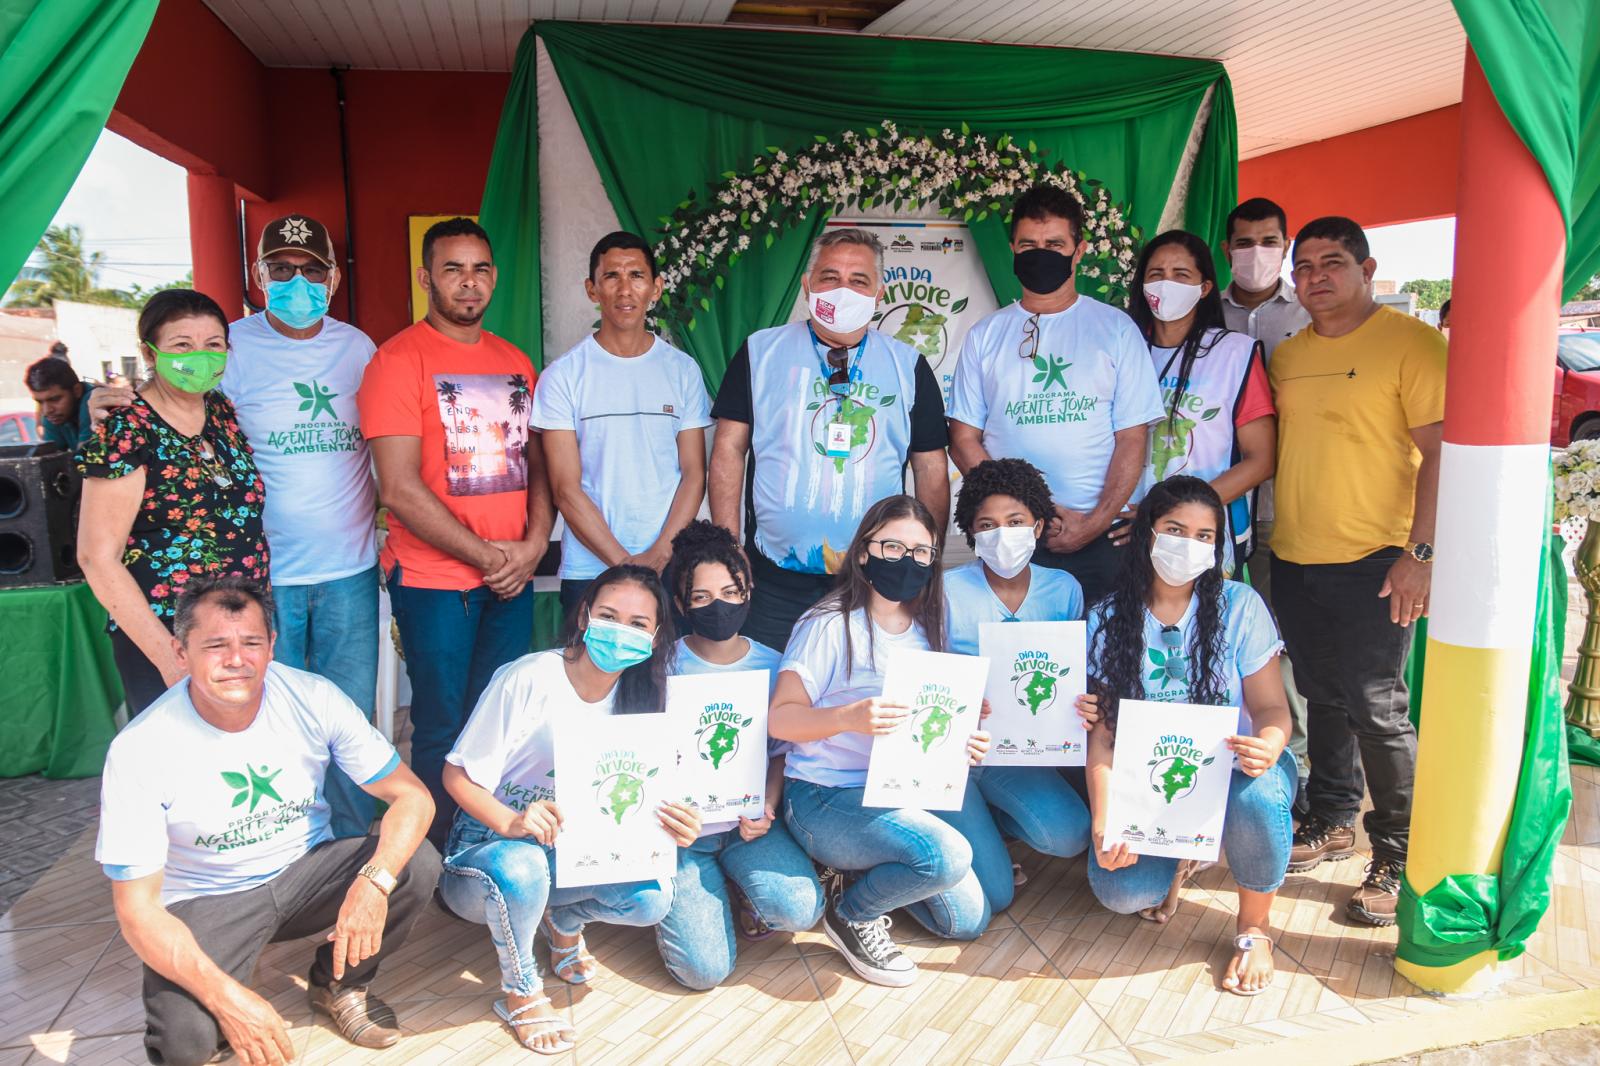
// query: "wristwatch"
[[1421, 552], [380, 877]]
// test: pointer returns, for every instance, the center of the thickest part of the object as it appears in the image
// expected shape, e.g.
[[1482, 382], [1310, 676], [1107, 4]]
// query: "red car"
[[1576, 415], [17, 427]]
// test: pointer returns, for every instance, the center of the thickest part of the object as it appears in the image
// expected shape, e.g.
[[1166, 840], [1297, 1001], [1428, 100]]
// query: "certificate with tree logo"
[[1036, 674], [1169, 778], [720, 726], [923, 764], [611, 772]]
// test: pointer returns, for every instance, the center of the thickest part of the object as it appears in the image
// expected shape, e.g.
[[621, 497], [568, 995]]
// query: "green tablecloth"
[[58, 682]]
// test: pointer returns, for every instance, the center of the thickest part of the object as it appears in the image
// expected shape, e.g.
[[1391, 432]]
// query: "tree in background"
[[69, 272], [1430, 292], [1590, 291]]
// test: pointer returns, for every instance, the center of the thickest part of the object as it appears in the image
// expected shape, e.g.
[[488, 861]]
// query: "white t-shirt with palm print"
[[627, 413]]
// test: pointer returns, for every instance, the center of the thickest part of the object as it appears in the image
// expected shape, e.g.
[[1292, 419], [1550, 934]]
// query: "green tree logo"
[[253, 785], [1051, 372], [316, 398]]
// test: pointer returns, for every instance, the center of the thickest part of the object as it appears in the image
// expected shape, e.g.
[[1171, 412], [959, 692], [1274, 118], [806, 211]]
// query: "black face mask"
[[717, 620], [899, 580], [1042, 270]]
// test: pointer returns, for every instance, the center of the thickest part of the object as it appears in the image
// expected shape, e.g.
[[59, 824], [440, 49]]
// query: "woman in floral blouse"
[[170, 491]]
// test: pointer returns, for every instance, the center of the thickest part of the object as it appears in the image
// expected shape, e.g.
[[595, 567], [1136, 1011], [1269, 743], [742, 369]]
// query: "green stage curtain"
[[62, 64], [666, 110], [1542, 61]]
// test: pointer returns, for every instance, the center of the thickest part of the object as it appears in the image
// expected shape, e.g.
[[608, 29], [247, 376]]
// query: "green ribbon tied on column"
[[1467, 914]]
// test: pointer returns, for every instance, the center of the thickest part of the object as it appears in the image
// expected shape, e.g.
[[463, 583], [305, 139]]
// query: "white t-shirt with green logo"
[[224, 812], [1060, 409], [506, 746], [296, 402]]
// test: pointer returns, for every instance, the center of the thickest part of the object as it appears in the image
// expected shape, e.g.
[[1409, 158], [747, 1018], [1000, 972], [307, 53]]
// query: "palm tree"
[[450, 392], [68, 272], [518, 401]]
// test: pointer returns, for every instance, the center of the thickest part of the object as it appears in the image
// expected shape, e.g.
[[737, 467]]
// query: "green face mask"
[[191, 371]]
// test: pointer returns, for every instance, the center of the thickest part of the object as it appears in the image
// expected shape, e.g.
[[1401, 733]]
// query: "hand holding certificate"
[[1169, 779], [922, 764], [611, 773], [1036, 673], [720, 725]]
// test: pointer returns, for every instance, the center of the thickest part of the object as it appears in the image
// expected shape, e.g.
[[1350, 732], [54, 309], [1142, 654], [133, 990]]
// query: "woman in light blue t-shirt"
[[750, 873], [1003, 509], [1210, 641]]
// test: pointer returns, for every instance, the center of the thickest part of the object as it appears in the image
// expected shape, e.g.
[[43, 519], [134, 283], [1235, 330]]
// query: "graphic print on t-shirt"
[[1172, 438], [1049, 400], [854, 412], [485, 419], [320, 429], [249, 788]]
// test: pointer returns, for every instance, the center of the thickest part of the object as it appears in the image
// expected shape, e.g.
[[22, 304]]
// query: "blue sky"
[[132, 205]]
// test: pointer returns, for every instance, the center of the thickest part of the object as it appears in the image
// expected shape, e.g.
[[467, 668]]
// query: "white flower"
[[1581, 483]]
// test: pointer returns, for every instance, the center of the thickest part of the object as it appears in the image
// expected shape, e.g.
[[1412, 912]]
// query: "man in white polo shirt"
[[1063, 381], [214, 832]]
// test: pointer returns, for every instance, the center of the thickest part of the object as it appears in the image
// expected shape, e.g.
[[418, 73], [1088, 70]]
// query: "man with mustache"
[[214, 830], [622, 418]]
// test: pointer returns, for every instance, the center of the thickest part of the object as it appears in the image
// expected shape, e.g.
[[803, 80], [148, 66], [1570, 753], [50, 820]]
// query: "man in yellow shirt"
[[1360, 396]]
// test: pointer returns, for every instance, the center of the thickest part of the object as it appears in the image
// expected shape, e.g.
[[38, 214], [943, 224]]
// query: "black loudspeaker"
[[39, 492]]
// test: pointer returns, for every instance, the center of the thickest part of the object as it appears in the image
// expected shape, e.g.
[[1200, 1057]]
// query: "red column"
[[214, 241]]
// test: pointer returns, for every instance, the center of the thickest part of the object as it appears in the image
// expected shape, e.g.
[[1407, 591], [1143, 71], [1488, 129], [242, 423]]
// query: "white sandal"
[[514, 1019], [1243, 944]]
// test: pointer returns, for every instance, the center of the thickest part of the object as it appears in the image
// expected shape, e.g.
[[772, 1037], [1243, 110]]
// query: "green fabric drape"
[[61, 687], [62, 64], [665, 110], [1466, 914], [1542, 61]]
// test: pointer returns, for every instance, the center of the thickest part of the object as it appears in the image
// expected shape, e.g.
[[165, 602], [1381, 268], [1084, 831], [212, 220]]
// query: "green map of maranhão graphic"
[[933, 713], [717, 739], [1175, 766], [1035, 678], [856, 410], [619, 784], [923, 329], [253, 785], [1172, 438]]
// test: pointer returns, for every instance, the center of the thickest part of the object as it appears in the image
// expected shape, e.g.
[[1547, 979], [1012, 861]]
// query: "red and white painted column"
[[1510, 250]]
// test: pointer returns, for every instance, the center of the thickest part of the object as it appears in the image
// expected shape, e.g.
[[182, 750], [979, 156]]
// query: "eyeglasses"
[[218, 472], [894, 551], [281, 270], [1176, 665], [1029, 348]]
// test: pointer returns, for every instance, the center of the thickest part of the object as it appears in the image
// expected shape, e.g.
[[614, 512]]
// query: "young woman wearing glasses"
[[1173, 630], [829, 705]]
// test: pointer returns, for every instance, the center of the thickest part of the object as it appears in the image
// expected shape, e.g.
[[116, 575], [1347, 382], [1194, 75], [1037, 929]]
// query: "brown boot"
[[363, 1019], [1317, 842], [1375, 901]]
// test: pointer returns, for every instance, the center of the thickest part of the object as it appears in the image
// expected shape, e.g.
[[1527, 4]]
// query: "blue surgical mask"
[[297, 303], [613, 647]]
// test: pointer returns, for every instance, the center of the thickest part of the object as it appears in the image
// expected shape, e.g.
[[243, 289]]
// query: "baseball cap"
[[296, 233]]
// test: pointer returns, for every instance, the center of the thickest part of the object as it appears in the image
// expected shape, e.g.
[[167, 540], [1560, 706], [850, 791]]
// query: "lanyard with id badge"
[[839, 432]]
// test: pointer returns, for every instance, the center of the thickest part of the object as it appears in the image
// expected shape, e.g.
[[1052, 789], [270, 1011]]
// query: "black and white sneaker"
[[866, 946]]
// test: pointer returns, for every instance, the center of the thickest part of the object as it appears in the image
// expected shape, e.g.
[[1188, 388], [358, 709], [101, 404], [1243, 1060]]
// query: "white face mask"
[[1257, 267], [1005, 549], [842, 310], [1179, 560], [1171, 300]]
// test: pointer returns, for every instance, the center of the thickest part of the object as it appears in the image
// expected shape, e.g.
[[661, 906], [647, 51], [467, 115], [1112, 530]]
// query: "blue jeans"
[[696, 938], [1037, 806], [454, 642], [1256, 836], [331, 628], [911, 858], [505, 884]]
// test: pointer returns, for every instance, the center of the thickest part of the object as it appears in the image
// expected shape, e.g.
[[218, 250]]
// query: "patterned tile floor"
[[1055, 980]]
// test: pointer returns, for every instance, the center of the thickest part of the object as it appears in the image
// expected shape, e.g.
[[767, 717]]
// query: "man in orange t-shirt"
[[444, 405]]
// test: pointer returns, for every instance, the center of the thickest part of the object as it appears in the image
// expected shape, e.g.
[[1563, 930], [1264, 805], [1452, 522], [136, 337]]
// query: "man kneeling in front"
[[214, 832]]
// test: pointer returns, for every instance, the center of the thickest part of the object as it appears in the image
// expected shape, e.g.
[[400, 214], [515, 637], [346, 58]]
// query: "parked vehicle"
[[1576, 414], [18, 427]]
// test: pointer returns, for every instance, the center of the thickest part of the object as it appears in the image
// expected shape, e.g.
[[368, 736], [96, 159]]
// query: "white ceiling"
[[1300, 72]]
